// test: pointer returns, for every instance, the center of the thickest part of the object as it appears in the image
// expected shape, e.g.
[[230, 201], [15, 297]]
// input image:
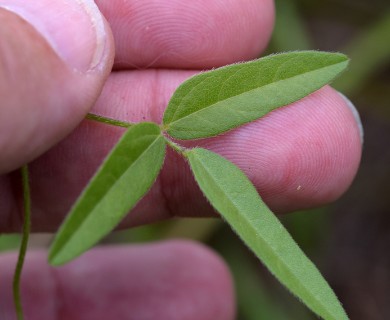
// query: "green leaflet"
[[216, 101], [234, 196], [125, 176]]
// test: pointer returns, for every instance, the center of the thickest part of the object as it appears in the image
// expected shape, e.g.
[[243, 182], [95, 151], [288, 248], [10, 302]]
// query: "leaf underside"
[[233, 195], [124, 177], [213, 102]]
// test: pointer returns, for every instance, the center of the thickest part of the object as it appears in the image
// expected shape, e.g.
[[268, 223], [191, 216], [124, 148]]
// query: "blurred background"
[[348, 240]]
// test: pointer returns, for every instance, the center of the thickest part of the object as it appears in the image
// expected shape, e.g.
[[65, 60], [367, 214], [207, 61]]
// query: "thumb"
[[54, 58]]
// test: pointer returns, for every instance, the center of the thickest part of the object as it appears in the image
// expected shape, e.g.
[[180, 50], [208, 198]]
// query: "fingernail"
[[355, 114], [74, 28]]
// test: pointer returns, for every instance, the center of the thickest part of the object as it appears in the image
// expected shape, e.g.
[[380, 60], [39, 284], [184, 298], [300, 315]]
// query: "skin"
[[300, 156]]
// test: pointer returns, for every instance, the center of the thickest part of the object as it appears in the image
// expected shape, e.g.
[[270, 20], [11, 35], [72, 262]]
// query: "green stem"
[[175, 146], [106, 120], [23, 246]]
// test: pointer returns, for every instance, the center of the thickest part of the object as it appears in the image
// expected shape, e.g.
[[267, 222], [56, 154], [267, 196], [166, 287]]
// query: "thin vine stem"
[[23, 246], [110, 121]]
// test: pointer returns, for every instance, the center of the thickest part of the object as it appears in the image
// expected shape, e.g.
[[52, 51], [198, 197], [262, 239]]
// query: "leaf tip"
[[56, 259], [343, 62], [53, 259], [344, 57], [57, 255]]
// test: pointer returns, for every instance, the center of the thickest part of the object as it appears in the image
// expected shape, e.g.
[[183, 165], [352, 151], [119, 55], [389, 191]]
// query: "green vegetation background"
[[348, 240]]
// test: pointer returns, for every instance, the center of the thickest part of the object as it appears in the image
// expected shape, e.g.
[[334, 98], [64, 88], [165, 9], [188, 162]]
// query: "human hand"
[[300, 156]]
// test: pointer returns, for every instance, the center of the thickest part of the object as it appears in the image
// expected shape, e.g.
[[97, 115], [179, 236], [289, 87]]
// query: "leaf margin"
[[66, 227], [331, 295], [170, 124]]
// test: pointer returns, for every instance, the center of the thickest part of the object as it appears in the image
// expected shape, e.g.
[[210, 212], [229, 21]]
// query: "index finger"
[[187, 34]]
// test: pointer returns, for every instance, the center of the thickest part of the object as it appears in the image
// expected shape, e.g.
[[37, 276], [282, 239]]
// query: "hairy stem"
[[106, 120], [23, 246], [178, 148]]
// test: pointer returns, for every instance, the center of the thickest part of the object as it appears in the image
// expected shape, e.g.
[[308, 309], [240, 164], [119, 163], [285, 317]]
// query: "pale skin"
[[300, 156]]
